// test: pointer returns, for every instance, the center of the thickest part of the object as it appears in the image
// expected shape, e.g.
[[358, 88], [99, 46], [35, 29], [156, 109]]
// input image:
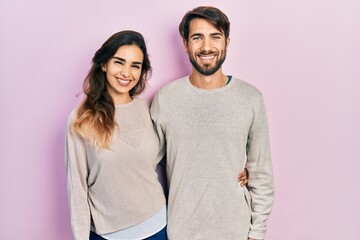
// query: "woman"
[[112, 149]]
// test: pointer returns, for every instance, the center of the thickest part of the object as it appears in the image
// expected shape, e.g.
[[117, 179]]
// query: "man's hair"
[[211, 14]]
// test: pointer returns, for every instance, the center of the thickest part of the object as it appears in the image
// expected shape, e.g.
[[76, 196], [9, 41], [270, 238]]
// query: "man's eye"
[[119, 62], [135, 67]]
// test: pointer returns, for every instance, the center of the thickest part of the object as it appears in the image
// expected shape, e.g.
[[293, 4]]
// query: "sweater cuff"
[[256, 235]]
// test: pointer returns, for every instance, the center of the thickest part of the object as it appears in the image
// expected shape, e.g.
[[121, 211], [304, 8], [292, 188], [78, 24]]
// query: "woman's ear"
[[103, 68]]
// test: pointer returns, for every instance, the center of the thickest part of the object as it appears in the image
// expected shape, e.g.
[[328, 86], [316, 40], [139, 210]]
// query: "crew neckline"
[[220, 89], [126, 104]]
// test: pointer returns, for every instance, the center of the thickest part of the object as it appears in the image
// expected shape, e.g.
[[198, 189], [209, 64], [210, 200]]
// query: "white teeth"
[[124, 81], [207, 57]]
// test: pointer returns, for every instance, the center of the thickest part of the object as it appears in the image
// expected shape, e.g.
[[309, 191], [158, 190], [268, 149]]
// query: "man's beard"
[[207, 70]]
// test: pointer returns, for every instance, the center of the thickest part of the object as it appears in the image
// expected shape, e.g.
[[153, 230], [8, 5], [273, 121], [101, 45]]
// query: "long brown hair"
[[95, 116]]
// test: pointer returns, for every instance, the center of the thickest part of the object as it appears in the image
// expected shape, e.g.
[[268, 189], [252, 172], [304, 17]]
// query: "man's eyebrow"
[[211, 34], [123, 60], [217, 34], [196, 35]]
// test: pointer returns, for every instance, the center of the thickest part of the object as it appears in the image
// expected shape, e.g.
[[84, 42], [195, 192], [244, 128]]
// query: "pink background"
[[303, 55]]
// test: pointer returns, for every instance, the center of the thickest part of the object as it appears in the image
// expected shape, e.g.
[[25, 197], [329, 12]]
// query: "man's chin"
[[207, 68]]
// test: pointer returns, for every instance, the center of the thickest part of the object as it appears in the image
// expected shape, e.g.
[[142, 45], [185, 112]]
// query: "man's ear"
[[227, 42], [185, 45]]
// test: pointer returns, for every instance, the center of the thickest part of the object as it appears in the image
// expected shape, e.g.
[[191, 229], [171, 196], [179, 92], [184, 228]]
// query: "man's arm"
[[155, 117], [260, 182]]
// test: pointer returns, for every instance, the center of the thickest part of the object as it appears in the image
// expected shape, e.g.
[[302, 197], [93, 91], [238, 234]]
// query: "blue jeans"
[[161, 235]]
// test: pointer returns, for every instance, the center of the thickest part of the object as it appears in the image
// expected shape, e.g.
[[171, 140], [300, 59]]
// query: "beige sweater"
[[208, 133], [117, 187]]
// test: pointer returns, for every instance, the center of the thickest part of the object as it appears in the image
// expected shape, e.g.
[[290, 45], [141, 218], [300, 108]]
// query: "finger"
[[241, 178], [243, 182], [242, 175]]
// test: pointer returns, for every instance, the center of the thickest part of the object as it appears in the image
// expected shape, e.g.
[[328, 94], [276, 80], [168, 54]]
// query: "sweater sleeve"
[[260, 182], [155, 116], [77, 171]]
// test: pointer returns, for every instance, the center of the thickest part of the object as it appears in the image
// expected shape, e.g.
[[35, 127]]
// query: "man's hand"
[[243, 177]]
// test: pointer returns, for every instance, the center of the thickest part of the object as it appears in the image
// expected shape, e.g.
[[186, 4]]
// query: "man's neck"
[[216, 80]]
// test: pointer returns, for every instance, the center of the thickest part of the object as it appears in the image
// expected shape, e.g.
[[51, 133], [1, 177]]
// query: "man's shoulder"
[[246, 87], [173, 85]]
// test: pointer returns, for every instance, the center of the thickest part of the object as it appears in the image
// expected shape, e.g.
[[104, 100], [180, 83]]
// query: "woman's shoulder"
[[73, 115], [142, 102]]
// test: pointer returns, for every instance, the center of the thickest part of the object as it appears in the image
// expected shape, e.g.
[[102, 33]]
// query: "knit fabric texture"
[[210, 135], [116, 187]]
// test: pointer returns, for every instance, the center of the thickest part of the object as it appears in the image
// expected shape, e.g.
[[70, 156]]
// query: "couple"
[[208, 124]]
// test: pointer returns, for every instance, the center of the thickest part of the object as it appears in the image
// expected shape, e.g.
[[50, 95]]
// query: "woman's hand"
[[243, 177]]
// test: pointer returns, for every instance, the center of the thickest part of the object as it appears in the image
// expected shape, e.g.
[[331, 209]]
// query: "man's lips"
[[207, 57]]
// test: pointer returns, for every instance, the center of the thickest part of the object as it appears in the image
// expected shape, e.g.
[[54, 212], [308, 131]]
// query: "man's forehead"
[[199, 25]]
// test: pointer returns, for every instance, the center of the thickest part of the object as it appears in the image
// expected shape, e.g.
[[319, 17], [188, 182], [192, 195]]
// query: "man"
[[212, 125]]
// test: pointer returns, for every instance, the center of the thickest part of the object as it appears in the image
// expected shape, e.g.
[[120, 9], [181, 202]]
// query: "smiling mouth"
[[123, 82], [207, 57]]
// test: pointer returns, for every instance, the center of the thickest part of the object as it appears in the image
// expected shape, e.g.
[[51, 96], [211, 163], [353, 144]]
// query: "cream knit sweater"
[[208, 134], [116, 187]]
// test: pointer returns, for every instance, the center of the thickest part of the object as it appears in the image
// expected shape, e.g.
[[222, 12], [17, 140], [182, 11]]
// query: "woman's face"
[[123, 72]]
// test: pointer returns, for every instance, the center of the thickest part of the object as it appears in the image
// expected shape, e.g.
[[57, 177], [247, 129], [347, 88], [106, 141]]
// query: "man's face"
[[206, 46]]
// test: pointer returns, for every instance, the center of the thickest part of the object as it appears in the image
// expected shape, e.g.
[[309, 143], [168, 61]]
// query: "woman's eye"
[[119, 62], [135, 67]]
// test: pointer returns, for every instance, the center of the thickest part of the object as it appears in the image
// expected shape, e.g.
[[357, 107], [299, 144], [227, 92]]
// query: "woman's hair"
[[95, 116], [211, 14]]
